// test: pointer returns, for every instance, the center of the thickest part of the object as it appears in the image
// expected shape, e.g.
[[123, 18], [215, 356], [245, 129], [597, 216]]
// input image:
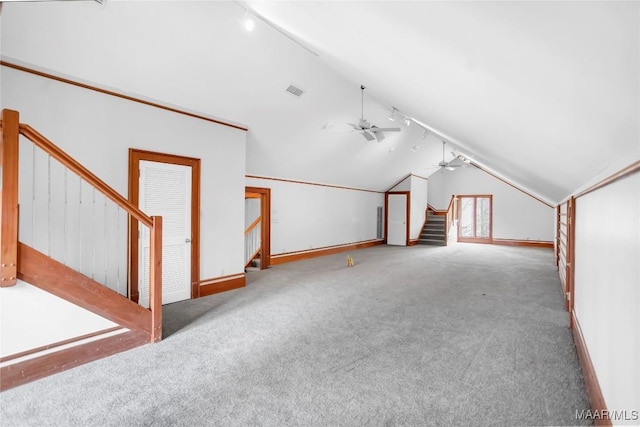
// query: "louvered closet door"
[[165, 189]]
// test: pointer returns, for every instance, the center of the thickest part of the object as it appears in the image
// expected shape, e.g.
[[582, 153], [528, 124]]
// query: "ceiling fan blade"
[[379, 136], [377, 129], [368, 136], [356, 127]]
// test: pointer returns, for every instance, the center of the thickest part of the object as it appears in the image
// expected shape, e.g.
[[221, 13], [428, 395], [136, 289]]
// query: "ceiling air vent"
[[295, 90]]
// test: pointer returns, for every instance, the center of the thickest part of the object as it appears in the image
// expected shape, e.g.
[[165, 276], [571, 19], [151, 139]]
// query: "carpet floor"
[[414, 336]]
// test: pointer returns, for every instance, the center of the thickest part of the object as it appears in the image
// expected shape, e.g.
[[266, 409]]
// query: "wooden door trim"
[[135, 156], [265, 229], [386, 214], [475, 239]]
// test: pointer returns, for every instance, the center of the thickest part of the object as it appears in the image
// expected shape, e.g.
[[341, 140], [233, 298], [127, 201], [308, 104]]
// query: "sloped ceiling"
[[547, 94]]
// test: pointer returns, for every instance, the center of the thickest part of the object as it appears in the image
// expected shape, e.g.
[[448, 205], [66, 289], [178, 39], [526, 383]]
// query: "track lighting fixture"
[[407, 121], [392, 116], [248, 22]]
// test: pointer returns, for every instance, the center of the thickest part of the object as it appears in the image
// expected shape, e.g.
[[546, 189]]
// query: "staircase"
[[434, 233]]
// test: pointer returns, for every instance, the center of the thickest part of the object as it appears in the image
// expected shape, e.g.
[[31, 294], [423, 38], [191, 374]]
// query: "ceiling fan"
[[366, 129], [447, 165]]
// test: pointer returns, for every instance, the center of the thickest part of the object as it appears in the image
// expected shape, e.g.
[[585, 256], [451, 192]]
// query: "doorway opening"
[[167, 185], [257, 234]]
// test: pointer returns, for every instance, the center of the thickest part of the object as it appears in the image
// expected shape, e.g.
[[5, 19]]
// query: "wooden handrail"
[[253, 225], [453, 198], [73, 165]]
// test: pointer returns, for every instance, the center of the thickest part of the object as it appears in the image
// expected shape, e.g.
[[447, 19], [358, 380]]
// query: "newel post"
[[155, 278], [9, 198]]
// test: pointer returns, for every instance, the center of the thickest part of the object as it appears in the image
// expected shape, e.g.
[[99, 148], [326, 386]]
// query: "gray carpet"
[[460, 335]]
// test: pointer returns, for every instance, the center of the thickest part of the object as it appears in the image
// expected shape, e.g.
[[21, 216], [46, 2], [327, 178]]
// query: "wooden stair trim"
[[76, 167], [34, 369], [9, 165], [56, 278], [59, 344]]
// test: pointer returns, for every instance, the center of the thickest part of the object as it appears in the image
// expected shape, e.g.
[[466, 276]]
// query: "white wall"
[[98, 130], [418, 205], [607, 288], [305, 216], [417, 186], [515, 214]]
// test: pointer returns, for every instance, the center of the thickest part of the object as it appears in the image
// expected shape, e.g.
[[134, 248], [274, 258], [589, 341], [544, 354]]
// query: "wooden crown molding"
[[629, 170], [511, 185], [119, 95], [313, 183]]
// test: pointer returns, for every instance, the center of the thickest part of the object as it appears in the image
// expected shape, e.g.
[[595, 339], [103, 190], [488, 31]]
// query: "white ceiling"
[[545, 93]]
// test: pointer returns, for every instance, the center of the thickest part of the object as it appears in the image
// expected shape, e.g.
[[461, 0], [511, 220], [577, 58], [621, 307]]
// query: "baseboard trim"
[[221, 284], [530, 243], [414, 242], [34, 369], [596, 399], [327, 250]]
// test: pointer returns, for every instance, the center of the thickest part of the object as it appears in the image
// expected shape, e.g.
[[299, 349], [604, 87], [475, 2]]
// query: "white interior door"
[[165, 190], [397, 220]]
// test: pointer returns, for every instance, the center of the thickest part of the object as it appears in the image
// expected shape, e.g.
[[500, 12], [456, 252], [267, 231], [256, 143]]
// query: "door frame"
[[135, 156], [386, 214], [475, 239], [265, 227]]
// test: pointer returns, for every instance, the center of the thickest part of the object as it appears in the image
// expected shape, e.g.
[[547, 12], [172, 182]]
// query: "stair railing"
[[252, 241], [450, 216], [70, 215]]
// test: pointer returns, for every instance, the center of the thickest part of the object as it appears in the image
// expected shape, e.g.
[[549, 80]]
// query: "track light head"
[[392, 116]]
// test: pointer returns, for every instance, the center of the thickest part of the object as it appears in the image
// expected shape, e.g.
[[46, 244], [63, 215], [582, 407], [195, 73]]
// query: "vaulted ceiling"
[[546, 94]]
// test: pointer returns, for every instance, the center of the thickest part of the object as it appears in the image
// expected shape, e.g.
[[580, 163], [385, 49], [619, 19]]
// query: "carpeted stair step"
[[432, 236], [432, 242]]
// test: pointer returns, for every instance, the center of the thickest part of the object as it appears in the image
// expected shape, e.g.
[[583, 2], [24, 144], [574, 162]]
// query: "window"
[[475, 220]]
